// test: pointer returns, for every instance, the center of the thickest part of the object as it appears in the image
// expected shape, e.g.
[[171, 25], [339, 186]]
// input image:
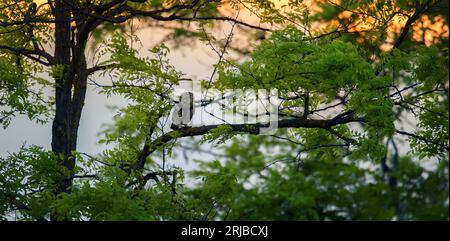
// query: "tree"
[[343, 100]]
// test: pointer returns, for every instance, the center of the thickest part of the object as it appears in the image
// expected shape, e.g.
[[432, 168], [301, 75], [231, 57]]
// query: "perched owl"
[[183, 111]]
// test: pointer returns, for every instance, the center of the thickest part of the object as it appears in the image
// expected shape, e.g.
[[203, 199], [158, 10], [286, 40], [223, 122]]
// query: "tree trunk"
[[70, 92]]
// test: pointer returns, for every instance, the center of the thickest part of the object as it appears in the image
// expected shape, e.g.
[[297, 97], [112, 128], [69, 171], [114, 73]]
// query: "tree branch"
[[245, 128], [420, 9], [31, 54], [96, 68], [415, 136]]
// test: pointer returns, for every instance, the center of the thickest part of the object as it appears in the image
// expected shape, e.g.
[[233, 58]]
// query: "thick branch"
[[32, 54], [96, 68], [420, 9], [245, 128], [206, 18], [122, 13]]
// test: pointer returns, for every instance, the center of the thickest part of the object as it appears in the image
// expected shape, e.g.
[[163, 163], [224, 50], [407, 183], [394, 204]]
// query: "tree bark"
[[70, 92], [61, 133]]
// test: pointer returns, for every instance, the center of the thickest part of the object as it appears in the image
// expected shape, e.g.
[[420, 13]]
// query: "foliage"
[[27, 178], [352, 77]]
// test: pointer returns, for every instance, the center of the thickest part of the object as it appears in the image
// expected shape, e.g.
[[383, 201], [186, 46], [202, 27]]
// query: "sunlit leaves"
[[291, 63]]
